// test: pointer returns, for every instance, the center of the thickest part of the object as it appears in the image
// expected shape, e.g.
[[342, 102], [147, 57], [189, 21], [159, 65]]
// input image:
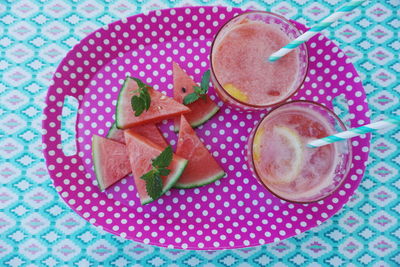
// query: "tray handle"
[[52, 144]]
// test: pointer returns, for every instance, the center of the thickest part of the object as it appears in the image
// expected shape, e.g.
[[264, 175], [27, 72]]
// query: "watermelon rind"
[[96, 163], [202, 120], [174, 177], [111, 131], [205, 118], [205, 181], [118, 111]]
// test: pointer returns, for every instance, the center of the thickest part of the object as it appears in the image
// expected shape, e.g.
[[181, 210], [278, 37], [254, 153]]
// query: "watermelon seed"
[[184, 89]]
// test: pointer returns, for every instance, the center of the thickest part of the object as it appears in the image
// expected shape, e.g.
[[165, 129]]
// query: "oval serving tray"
[[234, 212]]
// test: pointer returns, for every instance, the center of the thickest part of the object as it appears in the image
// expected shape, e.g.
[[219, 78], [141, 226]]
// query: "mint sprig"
[[153, 177], [140, 102], [199, 91]]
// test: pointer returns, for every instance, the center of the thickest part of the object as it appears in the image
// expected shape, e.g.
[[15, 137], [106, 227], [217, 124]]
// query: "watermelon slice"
[[201, 110], [161, 107], [149, 131], [110, 160], [202, 168], [141, 152]]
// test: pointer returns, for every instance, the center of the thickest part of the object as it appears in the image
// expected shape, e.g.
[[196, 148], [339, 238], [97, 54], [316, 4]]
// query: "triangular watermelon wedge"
[[202, 168], [201, 110], [107, 155], [110, 161], [141, 152], [149, 131], [161, 107]]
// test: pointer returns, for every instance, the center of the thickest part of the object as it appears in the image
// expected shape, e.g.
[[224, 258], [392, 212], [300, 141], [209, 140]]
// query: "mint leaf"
[[190, 98], [153, 184], [147, 176], [142, 101], [198, 90], [164, 159], [137, 105], [164, 172], [146, 98], [205, 81]]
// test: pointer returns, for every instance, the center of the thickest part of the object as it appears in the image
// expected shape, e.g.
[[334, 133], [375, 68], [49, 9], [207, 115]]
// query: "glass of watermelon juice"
[[282, 162], [240, 70]]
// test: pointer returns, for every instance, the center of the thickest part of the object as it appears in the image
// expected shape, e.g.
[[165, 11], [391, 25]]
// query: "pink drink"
[[283, 162], [241, 70], [240, 61]]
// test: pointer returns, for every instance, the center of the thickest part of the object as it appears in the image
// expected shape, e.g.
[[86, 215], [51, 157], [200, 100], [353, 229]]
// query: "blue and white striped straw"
[[355, 132], [316, 29]]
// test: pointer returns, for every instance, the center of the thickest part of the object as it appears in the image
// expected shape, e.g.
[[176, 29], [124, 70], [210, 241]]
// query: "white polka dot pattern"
[[233, 212]]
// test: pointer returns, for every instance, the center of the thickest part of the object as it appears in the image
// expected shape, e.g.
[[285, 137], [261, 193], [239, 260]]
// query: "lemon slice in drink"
[[257, 145], [290, 166], [235, 92]]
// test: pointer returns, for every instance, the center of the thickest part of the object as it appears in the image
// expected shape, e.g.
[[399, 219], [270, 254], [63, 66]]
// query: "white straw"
[[316, 29], [355, 132]]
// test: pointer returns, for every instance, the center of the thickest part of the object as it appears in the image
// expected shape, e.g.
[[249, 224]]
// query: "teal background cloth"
[[38, 229]]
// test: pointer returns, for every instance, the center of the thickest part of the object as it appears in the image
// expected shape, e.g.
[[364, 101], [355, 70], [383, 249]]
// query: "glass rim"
[[342, 125], [273, 15]]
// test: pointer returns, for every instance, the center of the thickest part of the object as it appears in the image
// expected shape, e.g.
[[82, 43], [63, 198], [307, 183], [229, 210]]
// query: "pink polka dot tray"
[[235, 211]]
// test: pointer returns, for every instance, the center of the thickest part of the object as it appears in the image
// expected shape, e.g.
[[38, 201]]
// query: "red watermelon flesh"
[[149, 131], [202, 168], [110, 160], [161, 107], [141, 152], [201, 110]]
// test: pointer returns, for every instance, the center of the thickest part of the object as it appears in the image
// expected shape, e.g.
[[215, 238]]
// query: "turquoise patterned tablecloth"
[[38, 229]]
